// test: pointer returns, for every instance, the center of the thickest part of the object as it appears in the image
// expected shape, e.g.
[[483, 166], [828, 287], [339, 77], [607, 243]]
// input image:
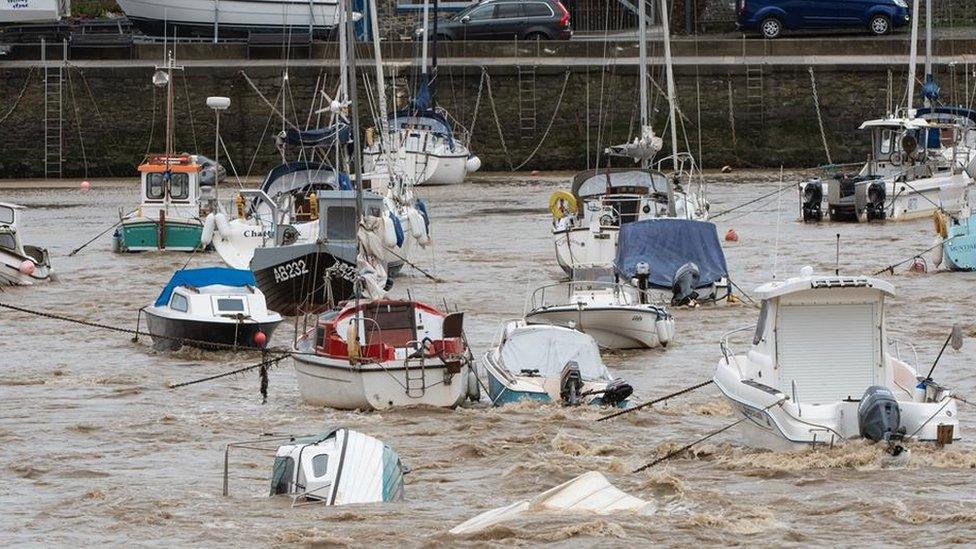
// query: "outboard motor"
[[685, 283], [813, 201], [875, 206], [616, 392], [570, 384], [642, 272], [878, 416]]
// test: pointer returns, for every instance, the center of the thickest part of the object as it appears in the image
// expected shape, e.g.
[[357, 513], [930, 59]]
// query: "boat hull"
[[907, 201], [293, 278], [426, 168], [170, 334], [959, 248], [583, 247], [503, 391], [10, 268], [611, 327], [143, 235], [236, 18], [324, 381]]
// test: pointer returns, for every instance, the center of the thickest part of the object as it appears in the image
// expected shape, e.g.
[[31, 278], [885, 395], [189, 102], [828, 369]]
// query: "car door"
[[853, 13], [818, 14], [509, 20], [478, 22]]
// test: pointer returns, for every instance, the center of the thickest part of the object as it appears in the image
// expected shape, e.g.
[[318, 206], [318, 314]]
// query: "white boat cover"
[[590, 492], [548, 349]]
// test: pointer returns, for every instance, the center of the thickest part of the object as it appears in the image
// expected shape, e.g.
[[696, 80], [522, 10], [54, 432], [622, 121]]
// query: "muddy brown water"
[[94, 448]]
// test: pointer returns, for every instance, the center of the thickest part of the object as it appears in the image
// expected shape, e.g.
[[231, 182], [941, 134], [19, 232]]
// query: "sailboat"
[[176, 190], [425, 145], [373, 352], [921, 160]]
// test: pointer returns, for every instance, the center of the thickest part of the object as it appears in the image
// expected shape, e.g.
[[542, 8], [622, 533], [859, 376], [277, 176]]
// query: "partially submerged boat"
[[821, 369], [211, 308], [550, 364], [957, 241], [340, 467], [680, 261], [385, 353], [618, 316], [20, 264]]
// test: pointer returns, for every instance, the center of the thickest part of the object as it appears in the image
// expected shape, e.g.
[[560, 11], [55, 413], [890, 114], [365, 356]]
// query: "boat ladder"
[[527, 99], [53, 113], [415, 376]]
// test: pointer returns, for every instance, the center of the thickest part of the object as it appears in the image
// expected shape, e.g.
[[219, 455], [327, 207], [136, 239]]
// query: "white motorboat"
[[821, 370], [231, 18], [20, 264], [618, 316], [343, 467], [384, 353], [211, 308], [549, 364], [30, 11]]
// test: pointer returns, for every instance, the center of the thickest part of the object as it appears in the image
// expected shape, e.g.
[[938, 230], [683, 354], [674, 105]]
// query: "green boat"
[[140, 234]]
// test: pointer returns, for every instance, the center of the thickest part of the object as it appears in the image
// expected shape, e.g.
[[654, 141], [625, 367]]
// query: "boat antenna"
[[354, 115], [837, 258], [779, 218], [955, 338]]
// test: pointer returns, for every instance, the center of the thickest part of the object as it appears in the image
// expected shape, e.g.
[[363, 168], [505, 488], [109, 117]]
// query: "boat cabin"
[[615, 196], [822, 339], [214, 292], [901, 145], [170, 180], [9, 239], [386, 330]]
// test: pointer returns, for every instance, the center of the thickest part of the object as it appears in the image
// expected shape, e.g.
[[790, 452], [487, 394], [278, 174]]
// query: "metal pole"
[[217, 154], [671, 108], [423, 48], [928, 46], [216, 20], [912, 58]]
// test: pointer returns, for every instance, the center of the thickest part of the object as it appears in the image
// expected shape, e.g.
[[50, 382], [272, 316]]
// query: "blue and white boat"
[[550, 364], [958, 247]]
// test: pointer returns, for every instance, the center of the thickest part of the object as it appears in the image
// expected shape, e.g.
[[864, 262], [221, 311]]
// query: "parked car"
[[506, 20], [771, 17]]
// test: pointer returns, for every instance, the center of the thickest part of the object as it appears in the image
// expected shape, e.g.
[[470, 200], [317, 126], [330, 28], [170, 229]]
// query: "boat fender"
[[352, 342], [941, 225], [937, 252], [222, 224], [562, 203], [474, 386], [423, 211], [878, 416], [472, 164], [417, 227], [239, 202], [663, 334], [393, 232], [206, 234]]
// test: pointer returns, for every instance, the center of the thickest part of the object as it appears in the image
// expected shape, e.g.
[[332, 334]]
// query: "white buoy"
[[473, 164]]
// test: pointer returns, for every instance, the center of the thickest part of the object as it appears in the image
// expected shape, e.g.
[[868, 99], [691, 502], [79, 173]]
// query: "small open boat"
[[821, 370], [20, 264], [550, 364], [384, 353], [211, 308], [618, 316]]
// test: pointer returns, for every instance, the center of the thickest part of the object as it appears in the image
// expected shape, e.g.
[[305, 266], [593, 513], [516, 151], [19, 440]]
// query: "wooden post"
[[161, 231]]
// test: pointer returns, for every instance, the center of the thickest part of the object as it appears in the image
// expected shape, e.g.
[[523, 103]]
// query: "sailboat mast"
[[354, 106], [423, 48], [642, 38], [912, 59], [928, 47], [672, 118], [433, 61]]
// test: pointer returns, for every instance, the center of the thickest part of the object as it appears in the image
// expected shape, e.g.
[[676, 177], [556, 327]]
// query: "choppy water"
[[94, 448]]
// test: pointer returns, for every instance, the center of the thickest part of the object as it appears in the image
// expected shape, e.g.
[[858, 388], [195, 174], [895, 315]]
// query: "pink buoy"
[[27, 267], [731, 236], [260, 339], [85, 186], [918, 266], [535, 172]]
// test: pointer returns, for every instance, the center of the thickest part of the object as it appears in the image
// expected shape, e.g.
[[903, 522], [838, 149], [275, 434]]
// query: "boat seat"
[[453, 326]]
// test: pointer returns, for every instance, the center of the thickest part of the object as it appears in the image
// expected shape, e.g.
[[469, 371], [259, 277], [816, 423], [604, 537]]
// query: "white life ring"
[[206, 234], [222, 224]]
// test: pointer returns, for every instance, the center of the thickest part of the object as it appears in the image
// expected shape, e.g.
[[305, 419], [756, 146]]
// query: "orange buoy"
[[731, 236], [260, 339], [85, 185]]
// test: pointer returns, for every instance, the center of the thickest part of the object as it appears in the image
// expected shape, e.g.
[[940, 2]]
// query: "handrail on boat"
[[537, 299], [897, 343], [727, 350]]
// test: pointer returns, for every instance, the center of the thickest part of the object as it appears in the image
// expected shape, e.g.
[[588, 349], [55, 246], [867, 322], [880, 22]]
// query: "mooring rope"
[[20, 96], [753, 201], [891, 268], [816, 104], [263, 365], [656, 400], [268, 103], [498, 124], [552, 120]]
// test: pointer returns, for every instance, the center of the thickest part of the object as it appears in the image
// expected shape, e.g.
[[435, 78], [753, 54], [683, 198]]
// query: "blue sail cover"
[[666, 245], [208, 276], [322, 138]]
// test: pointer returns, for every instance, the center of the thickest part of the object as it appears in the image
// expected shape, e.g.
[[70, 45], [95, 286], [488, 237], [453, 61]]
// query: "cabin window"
[[8, 242], [341, 223], [281, 475], [6, 215], [230, 305], [179, 303], [320, 336], [155, 189], [761, 324], [179, 186], [320, 465]]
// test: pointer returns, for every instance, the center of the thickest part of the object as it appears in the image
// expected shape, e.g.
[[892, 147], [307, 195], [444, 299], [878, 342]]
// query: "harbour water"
[[95, 448]]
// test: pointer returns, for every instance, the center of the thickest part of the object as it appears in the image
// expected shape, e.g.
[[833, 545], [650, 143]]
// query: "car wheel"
[[880, 25], [771, 28], [532, 36]]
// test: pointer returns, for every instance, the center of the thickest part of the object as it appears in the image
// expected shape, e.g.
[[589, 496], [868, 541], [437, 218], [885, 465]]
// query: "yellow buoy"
[[313, 206], [239, 201], [941, 225], [562, 203]]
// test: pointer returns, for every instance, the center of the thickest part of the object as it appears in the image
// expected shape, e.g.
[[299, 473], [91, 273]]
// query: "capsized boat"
[[342, 467], [675, 260], [385, 353], [957, 241], [211, 308], [20, 264], [618, 316], [821, 369], [549, 364], [590, 492]]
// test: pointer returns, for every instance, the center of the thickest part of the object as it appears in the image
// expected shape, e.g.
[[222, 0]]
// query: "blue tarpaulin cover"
[[666, 245], [208, 276], [318, 137]]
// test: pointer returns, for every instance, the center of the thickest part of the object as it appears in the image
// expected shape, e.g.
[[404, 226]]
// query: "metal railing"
[[563, 293]]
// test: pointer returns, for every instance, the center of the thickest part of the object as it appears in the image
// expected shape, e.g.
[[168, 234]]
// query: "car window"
[[508, 10], [482, 13], [537, 9]]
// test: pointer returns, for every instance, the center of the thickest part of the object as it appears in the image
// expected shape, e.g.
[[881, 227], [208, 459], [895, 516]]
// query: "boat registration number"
[[288, 271]]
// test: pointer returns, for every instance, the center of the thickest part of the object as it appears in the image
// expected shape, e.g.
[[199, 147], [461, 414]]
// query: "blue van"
[[771, 17]]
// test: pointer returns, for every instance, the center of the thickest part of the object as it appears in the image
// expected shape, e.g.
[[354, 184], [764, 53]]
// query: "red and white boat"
[[385, 353]]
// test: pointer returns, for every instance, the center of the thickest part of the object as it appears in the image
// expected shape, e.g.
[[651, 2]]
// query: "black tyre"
[[880, 25], [532, 36], [771, 28]]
